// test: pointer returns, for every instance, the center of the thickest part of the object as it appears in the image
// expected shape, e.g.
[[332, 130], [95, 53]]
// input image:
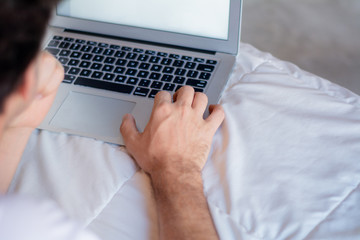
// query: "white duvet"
[[284, 165]]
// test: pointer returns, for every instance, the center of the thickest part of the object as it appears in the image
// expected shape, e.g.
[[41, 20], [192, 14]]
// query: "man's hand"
[[50, 73], [177, 138], [173, 149]]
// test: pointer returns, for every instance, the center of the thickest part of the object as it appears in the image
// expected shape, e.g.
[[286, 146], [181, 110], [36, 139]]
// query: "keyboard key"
[[64, 45], [186, 58], [120, 54], [64, 53], [97, 50], [190, 65], [75, 54], [119, 70], [204, 76], [128, 49], [92, 43], [205, 68], [156, 68], [168, 70], [131, 56], [156, 85], [131, 72], [98, 58], [109, 60], [74, 62], [85, 64], [97, 75], [75, 46], [96, 66], [53, 51], [57, 37], [109, 77], [132, 81], [155, 76], [162, 54], [143, 74], [85, 73], [69, 78], [144, 66], [86, 48], [213, 62], [192, 74], [143, 92], [108, 52], [63, 60], [175, 56], [74, 71], [154, 59], [198, 89], [66, 69], [180, 72], [196, 83], [153, 93], [178, 63], [80, 41], [179, 80], [169, 87], [178, 87], [116, 47], [68, 39], [144, 83], [108, 68], [167, 78], [132, 64], [143, 58], [120, 78], [138, 50], [103, 45], [87, 56], [121, 88], [199, 60], [149, 52], [166, 61], [121, 62], [53, 43]]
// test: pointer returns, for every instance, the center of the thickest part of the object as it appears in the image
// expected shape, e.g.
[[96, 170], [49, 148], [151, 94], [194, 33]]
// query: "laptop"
[[117, 54]]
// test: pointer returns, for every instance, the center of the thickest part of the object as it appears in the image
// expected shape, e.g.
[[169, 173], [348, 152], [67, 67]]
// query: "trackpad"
[[92, 115]]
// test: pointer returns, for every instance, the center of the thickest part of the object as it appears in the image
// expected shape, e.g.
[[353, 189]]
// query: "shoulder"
[[26, 218]]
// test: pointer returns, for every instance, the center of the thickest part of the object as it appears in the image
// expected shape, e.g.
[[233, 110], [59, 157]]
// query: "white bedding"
[[284, 165]]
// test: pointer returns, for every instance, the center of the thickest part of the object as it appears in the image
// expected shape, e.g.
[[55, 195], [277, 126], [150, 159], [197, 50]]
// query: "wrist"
[[170, 181]]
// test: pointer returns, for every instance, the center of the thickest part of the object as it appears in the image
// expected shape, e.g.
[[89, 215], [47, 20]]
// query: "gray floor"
[[320, 36]]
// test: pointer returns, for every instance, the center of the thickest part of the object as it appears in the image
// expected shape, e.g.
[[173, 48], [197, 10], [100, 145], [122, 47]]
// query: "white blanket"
[[284, 165]]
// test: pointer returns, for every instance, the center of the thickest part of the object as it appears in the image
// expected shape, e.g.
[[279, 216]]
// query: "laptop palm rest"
[[105, 114]]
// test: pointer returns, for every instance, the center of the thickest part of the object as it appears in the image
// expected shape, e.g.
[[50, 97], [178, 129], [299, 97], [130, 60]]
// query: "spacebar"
[[88, 82]]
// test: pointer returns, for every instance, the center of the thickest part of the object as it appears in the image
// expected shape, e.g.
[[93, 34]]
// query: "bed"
[[285, 164]]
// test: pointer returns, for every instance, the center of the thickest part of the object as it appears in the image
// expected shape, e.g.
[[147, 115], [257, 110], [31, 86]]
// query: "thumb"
[[128, 129]]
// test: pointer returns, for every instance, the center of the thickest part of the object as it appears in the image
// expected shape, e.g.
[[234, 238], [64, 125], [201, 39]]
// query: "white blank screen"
[[204, 18]]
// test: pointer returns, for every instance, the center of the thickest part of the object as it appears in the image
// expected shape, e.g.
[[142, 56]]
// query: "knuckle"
[[163, 108]]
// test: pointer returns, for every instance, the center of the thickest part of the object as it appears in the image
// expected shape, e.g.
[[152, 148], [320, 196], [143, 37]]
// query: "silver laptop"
[[118, 54]]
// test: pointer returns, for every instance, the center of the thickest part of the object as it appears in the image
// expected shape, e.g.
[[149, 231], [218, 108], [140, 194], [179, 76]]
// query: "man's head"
[[22, 26]]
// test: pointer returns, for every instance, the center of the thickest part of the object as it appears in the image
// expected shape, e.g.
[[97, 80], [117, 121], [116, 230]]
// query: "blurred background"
[[320, 36]]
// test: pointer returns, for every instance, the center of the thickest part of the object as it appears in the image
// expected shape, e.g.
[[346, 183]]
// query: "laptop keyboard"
[[123, 69]]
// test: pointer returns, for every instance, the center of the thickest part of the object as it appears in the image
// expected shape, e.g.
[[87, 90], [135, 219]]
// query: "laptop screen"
[[203, 18]]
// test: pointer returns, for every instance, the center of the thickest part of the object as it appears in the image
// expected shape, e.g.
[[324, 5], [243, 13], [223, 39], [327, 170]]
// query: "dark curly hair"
[[22, 26]]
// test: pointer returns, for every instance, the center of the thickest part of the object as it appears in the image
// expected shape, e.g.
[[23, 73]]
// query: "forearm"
[[182, 207], [12, 145]]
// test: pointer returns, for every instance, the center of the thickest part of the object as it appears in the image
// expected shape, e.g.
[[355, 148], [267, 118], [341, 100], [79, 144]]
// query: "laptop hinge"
[[142, 42]]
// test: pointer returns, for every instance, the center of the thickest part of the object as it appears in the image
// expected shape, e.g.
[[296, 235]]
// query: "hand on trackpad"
[[93, 115]]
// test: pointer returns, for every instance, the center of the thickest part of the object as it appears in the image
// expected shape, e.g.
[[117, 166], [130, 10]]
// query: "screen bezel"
[[157, 36]]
